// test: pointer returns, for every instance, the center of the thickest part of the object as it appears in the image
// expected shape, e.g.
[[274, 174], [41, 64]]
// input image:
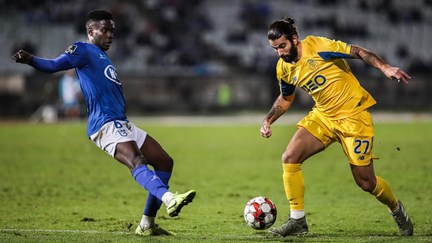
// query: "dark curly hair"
[[98, 15]]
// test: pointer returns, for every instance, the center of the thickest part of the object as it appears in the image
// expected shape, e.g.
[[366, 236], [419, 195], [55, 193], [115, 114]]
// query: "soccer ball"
[[260, 213]]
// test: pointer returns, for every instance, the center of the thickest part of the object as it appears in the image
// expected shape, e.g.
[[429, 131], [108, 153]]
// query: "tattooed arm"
[[376, 61], [280, 106]]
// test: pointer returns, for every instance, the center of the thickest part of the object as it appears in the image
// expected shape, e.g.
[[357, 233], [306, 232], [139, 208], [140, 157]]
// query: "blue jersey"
[[99, 82]]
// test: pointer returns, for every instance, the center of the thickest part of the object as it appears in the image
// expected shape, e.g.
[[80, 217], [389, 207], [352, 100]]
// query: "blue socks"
[[153, 203], [150, 181]]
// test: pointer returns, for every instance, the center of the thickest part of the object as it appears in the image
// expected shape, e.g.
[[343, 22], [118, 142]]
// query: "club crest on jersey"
[[71, 49], [111, 74], [312, 64]]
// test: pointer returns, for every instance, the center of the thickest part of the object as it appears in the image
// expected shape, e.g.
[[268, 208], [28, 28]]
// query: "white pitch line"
[[66, 231], [231, 237]]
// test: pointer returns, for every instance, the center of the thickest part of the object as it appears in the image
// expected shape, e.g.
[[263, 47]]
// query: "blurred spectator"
[[418, 66], [255, 14], [407, 15], [237, 34], [173, 30], [26, 46], [176, 32], [70, 95]]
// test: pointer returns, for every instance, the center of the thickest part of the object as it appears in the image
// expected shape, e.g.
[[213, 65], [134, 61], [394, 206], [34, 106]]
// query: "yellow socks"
[[294, 189], [384, 194], [294, 185]]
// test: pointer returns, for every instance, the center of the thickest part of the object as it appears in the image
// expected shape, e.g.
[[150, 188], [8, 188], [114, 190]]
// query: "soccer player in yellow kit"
[[317, 65]]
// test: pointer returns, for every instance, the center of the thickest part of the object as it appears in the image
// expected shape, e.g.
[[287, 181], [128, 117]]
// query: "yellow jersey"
[[326, 77]]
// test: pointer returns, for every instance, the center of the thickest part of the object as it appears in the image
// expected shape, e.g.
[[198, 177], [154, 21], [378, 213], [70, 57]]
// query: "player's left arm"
[[376, 61]]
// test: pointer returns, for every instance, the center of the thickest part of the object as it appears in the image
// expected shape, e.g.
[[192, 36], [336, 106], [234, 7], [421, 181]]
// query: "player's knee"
[[289, 158], [136, 161], [366, 185], [168, 163], [163, 163]]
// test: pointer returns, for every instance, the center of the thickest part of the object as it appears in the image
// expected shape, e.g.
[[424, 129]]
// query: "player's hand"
[[396, 73], [266, 130], [22, 57]]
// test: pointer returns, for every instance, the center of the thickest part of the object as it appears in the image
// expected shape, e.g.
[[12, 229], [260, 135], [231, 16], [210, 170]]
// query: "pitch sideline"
[[230, 237], [256, 119]]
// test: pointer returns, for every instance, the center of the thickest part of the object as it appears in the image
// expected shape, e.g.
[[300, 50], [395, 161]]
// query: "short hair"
[[284, 27], [98, 15]]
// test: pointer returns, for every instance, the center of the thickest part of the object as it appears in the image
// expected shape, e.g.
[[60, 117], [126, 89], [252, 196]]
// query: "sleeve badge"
[[71, 49]]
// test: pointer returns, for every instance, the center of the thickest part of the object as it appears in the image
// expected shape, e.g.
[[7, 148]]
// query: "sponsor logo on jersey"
[[314, 83], [71, 49], [102, 56], [111, 74]]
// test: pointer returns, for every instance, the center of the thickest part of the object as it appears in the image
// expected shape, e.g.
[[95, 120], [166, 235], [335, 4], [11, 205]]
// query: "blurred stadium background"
[[212, 56]]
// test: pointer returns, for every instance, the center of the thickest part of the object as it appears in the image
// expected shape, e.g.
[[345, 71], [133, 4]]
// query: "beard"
[[293, 54]]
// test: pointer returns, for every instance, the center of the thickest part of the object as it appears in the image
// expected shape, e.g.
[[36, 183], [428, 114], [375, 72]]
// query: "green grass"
[[56, 186]]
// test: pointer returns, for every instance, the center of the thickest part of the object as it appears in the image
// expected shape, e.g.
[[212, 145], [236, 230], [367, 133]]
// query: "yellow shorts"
[[354, 133]]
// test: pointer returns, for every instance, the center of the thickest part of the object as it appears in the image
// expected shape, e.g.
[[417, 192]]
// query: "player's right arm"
[[280, 106], [46, 65]]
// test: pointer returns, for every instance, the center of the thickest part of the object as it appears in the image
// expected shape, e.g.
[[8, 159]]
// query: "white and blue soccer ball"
[[260, 213]]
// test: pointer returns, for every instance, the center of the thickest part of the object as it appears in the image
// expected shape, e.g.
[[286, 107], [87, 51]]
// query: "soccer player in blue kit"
[[108, 126]]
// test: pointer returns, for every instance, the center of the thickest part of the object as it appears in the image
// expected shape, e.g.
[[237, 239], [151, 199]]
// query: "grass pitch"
[[56, 186]]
